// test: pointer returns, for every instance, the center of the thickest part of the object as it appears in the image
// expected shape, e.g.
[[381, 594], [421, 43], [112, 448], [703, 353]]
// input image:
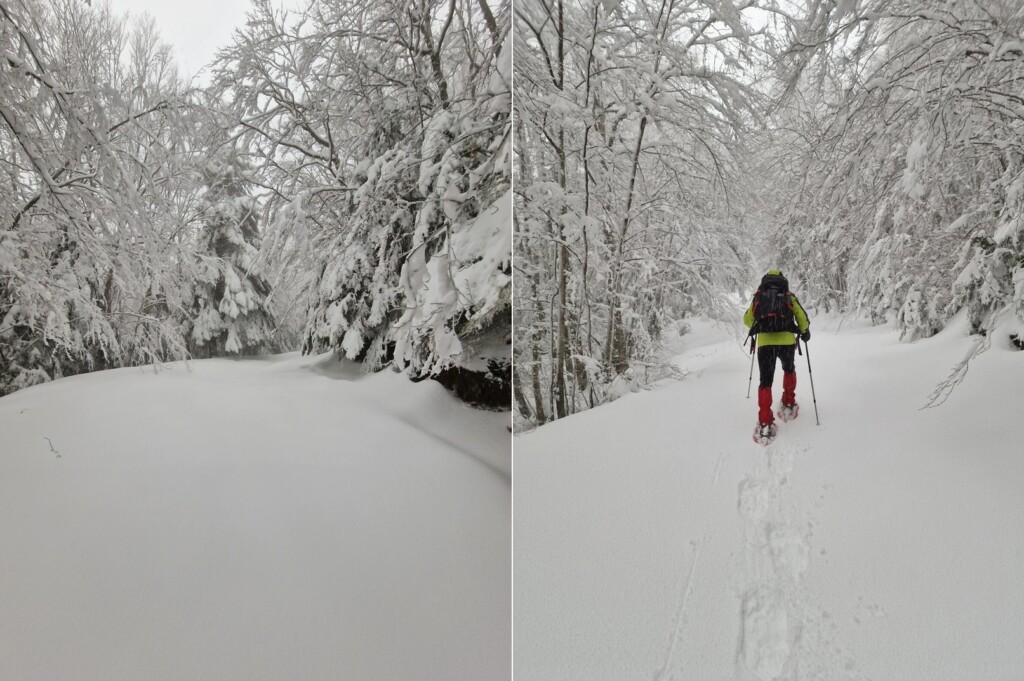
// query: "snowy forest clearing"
[[654, 540], [288, 517]]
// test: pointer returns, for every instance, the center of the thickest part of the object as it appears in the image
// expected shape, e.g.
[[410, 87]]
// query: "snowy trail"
[[252, 520], [654, 540]]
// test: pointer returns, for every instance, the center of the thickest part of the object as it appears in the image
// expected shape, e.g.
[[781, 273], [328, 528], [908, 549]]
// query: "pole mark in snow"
[[718, 468], [684, 600]]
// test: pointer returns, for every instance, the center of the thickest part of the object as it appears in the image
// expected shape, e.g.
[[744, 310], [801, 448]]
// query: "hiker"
[[775, 319]]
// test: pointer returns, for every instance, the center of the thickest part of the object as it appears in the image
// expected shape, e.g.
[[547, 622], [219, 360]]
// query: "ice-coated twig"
[[944, 389], [52, 449]]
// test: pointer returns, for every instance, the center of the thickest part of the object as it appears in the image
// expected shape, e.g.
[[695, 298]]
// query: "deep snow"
[[654, 540], [285, 518]]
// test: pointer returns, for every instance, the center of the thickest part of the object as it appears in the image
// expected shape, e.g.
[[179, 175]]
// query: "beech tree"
[[908, 204], [88, 123], [629, 149]]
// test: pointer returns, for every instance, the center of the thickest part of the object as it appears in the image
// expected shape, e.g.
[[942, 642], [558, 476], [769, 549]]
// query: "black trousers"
[[766, 356]]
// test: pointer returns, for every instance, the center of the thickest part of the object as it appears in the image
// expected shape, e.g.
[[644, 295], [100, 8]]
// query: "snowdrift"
[[286, 518]]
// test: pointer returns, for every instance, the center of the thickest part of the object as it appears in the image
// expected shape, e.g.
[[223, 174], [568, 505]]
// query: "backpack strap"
[[753, 311]]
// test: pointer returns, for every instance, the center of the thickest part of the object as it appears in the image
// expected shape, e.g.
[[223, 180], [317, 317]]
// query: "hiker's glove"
[[805, 336]]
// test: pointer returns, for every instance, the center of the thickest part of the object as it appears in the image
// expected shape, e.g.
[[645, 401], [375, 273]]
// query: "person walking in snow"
[[775, 319]]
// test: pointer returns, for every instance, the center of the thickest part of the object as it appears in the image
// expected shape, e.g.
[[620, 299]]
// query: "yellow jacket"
[[779, 337]]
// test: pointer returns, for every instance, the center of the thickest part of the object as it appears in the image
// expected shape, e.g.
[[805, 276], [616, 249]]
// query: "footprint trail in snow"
[[782, 635]]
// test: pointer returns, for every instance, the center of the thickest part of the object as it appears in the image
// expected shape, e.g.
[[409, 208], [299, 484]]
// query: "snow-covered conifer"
[[231, 314], [388, 150]]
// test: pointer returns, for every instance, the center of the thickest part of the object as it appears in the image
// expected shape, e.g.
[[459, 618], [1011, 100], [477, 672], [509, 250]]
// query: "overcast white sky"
[[196, 28]]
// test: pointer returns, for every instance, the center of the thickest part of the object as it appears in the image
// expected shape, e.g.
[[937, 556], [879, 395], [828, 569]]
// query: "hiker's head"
[[775, 279]]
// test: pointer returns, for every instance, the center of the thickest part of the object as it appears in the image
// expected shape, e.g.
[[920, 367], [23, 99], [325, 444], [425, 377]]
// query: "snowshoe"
[[765, 434], [788, 412]]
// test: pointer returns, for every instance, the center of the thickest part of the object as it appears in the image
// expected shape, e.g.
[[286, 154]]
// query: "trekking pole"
[[753, 345], [815, 397]]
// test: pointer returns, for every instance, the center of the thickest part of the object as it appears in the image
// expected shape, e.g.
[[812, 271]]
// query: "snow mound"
[[252, 519]]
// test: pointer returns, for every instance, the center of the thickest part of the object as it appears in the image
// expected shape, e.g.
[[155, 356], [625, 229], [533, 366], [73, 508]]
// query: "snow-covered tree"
[[383, 133], [628, 156], [89, 165], [904, 194], [373, 143], [231, 314]]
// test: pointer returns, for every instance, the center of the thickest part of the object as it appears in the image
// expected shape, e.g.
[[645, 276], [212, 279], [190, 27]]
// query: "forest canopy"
[[340, 185]]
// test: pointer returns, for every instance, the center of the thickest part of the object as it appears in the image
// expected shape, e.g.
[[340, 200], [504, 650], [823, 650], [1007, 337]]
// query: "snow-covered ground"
[[285, 518], [654, 540]]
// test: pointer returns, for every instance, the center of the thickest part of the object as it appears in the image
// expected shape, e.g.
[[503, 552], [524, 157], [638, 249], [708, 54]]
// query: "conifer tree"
[[231, 312]]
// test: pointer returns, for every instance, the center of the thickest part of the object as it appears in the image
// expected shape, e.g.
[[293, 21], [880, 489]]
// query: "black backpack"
[[773, 306]]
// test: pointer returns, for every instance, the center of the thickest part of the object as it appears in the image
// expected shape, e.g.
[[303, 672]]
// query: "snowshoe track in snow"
[[781, 634], [765, 643]]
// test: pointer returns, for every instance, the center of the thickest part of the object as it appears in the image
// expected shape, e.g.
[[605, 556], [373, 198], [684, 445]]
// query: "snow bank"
[[263, 519]]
